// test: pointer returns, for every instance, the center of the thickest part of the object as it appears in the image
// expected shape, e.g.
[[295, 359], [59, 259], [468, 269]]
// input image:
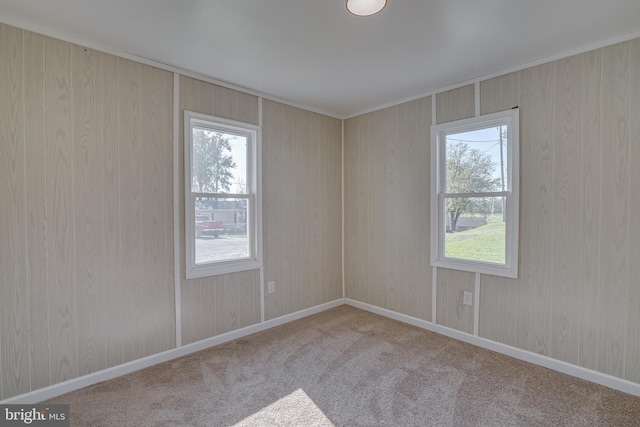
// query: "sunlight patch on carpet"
[[294, 409]]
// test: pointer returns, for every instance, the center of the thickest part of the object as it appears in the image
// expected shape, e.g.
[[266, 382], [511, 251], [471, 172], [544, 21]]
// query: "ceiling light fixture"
[[365, 7]]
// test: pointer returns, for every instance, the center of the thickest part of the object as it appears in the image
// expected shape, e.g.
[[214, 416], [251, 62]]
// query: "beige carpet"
[[347, 367]]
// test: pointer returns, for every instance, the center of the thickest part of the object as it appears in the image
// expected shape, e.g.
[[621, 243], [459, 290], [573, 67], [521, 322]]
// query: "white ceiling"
[[313, 53]]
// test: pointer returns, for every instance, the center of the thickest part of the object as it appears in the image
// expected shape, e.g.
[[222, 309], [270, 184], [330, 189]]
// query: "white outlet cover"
[[467, 298], [271, 287]]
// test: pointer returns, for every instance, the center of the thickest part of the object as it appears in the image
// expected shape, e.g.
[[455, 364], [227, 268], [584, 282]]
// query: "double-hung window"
[[221, 195], [474, 194]]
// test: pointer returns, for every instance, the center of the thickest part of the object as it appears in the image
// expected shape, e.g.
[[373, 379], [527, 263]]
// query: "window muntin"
[[475, 194], [221, 195]]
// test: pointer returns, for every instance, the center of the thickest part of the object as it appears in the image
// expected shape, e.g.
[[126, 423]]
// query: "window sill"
[[199, 271], [477, 267]]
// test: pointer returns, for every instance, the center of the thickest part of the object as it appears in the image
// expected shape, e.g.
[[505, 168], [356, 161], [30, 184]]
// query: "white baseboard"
[[126, 368], [135, 365], [537, 359]]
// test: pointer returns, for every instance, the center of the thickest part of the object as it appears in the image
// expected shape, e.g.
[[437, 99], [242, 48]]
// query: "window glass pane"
[[221, 229], [219, 162], [475, 229], [476, 161]]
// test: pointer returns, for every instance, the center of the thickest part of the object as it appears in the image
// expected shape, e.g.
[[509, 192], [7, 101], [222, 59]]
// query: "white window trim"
[[438, 173], [254, 221]]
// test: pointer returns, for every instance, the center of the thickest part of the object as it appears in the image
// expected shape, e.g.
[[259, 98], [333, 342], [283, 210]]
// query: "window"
[[221, 195], [474, 194]]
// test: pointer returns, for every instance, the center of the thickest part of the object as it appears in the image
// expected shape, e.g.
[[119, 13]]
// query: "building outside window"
[[221, 195]]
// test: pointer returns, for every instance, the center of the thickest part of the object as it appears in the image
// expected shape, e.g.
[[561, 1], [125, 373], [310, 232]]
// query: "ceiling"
[[314, 54]]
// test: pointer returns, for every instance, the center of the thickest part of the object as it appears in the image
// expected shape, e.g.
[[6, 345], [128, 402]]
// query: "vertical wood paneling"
[[85, 160], [131, 249], [556, 305], [540, 119], [14, 319], [248, 298], [527, 172], [614, 242], [274, 195], [450, 310], [230, 297], [207, 324], [152, 212], [566, 240], [393, 215], [500, 93], [414, 252], [87, 243], [332, 186], [499, 295], [291, 270], [590, 209], [359, 185], [355, 158], [213, 305], [60, 247], [222, 102], [168, 304], [374, 268], [455, 104], [302, 220], [312, 163], [36, 230], [217, 293], [191, 313], [632, 367], [88, 208], [113, 282], [156, 178], [576, 295], [498, 298], [387, 208], [190, 293], [381, 232]]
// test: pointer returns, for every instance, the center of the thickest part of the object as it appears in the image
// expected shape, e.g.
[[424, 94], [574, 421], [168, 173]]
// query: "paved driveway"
[[221, 248]]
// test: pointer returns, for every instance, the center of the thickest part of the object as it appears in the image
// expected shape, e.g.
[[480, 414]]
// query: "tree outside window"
[[221, 199], [475, 194]]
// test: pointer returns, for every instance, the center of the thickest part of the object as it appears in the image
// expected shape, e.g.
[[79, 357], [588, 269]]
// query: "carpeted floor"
[[348, 367]]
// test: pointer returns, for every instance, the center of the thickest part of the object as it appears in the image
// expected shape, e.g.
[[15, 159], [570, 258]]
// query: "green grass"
[[485, 243]]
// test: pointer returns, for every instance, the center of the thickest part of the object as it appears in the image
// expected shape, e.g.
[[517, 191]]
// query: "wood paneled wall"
[[455, 104], [86, 224], [301, 179], [302, 201], [577, 297], [217, 304], [86, 247], [387, 220]]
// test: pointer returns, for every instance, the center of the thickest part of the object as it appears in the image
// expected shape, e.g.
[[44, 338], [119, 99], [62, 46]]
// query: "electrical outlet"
[[271, 287], [467, 298]]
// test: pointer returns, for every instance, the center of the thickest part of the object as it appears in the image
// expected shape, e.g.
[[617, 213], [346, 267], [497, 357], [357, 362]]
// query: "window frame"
[[252, 195], [439, 132]]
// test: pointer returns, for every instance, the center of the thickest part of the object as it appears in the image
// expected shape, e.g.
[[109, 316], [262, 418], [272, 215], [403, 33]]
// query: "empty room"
[[362, 212]]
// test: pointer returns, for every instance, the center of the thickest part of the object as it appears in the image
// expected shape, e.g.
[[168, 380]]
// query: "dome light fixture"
[[365, 7]]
